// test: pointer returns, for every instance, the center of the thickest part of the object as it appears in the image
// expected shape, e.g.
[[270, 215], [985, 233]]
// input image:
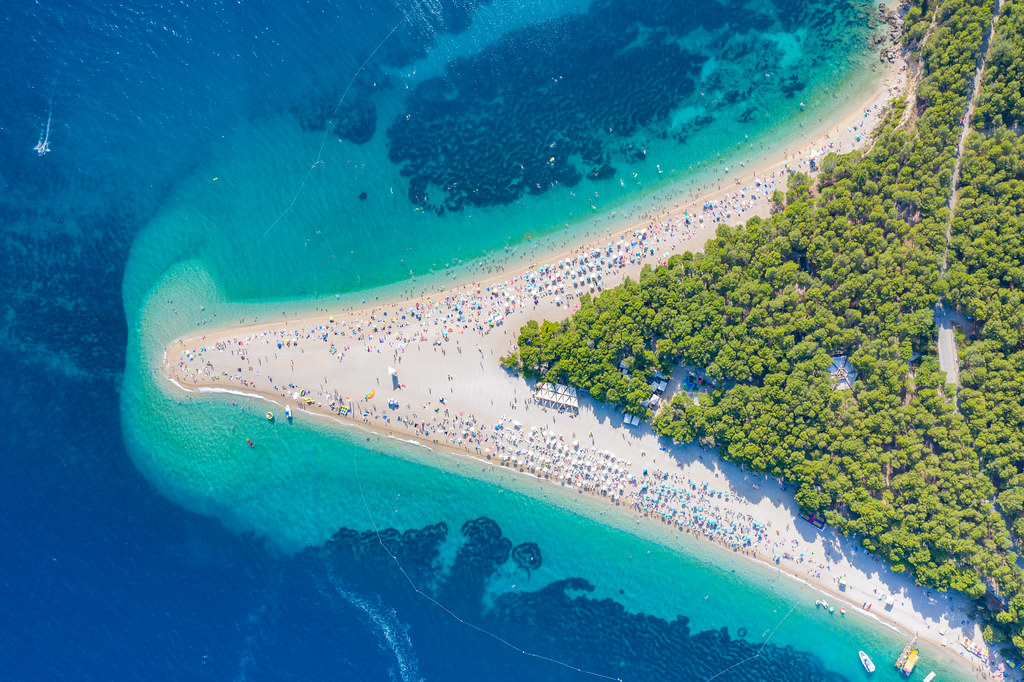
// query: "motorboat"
[[866, 661]]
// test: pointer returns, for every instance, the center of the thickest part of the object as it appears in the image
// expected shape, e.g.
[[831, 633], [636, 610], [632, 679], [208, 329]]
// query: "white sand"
[[609, 459]]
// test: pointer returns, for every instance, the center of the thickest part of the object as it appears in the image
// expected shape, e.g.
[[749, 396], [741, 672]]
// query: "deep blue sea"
[[211, 134]]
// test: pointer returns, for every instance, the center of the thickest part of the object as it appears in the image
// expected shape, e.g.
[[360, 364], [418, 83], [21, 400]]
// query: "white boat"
[[865, 660], [288, 412], [931, 676]]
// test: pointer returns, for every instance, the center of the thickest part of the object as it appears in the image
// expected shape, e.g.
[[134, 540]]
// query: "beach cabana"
[[559, 397]]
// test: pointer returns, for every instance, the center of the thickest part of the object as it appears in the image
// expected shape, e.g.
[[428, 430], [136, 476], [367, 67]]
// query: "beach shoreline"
[[859, 114], [673, 227], [909, 621]]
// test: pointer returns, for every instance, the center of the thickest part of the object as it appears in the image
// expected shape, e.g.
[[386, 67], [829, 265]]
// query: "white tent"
[[559, 396]]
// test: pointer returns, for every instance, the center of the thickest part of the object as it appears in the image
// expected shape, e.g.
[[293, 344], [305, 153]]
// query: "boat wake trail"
[[43, 144], [422, 593], [393, 633], [248, 660]]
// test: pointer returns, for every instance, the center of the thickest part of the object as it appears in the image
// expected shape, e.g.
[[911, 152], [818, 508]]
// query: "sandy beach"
[[427, 369]]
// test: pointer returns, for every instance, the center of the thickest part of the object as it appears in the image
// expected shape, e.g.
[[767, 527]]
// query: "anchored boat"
[[908, 667], [866, 661], [908, 658]]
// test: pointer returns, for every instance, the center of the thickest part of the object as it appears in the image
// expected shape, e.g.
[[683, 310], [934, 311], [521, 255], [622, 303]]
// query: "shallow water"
[[306, 481], [478, 147], [180, 134]]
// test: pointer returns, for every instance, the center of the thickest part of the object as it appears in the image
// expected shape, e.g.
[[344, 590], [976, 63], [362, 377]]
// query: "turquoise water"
[[304, 481], [276, 217], [276, 212]]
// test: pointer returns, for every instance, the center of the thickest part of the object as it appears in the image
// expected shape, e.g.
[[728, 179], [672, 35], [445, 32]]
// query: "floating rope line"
[[759, 649], [323, 140], [524, 652]]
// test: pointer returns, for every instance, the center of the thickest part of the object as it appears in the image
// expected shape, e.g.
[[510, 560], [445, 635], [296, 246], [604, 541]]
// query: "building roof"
[[842, 372]]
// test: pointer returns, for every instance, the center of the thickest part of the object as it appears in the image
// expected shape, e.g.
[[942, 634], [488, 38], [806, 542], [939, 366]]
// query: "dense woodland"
[[1001, 101], [930, 479]]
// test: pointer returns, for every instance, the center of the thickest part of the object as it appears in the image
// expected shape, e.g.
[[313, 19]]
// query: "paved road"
[[948, 360]]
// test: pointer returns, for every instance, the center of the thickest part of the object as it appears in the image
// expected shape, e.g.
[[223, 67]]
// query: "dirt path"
[[948, 358]]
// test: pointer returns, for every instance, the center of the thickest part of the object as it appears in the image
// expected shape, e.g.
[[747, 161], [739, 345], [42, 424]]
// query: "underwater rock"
[[527, 555], [357, 121]]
